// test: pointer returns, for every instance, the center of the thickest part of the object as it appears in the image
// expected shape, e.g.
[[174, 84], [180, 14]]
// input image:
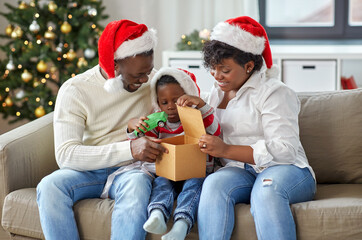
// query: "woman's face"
[[230, 76], [167, 96]]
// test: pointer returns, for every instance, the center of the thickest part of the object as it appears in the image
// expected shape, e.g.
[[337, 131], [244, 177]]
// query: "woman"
[[263, 161]]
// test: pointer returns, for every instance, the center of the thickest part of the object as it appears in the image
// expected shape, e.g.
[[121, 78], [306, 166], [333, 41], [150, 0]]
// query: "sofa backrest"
[[331, 134]]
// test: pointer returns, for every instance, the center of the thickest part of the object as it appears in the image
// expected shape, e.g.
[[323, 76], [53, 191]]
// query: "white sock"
[[178, 231], [155, 223]]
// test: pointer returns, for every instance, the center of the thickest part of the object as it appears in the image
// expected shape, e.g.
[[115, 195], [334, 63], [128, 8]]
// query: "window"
[[355, 13], [310, 19]]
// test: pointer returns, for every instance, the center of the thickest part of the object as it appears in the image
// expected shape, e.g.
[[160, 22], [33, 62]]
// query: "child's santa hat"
[[248, 35], [121, 39], [187, 81]]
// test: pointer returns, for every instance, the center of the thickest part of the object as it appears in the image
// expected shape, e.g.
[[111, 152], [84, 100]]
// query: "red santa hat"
[[121, 39], [187, 81], [248, 35]]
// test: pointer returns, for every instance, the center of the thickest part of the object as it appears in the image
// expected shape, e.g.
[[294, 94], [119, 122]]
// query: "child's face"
[[167, 96]]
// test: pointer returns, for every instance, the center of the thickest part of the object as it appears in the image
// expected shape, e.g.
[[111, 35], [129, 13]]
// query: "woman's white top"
[[263, 115]]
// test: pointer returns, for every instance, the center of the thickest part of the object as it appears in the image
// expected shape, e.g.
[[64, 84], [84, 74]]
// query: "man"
[[90, 122]]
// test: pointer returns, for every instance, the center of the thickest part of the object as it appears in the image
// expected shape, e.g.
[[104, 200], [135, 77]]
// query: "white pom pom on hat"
[[248, 35], [121, 39]]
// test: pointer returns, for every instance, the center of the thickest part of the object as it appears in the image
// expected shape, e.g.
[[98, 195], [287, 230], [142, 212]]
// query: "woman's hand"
[[213, 145], [136, 123], [187, 100]]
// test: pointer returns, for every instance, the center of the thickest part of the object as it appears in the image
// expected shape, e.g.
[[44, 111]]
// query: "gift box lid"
[[191, 120]]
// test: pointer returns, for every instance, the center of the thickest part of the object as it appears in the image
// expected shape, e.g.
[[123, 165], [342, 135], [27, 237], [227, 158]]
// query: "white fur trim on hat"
[[185, 81], [114, 85], [144, 43], [238, 38]]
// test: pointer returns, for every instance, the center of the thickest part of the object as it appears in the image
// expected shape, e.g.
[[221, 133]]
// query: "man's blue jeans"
[[57, 193], [188, 192], [269, 193]]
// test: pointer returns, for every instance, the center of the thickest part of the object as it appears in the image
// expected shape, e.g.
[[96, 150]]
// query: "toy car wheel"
[[161, 124], [141, 134]]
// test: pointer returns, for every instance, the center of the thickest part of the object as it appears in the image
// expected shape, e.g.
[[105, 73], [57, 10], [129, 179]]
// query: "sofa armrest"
[[26, 155]]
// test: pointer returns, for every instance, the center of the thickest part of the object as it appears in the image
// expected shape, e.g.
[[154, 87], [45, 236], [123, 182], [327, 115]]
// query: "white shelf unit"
[[281, 54]]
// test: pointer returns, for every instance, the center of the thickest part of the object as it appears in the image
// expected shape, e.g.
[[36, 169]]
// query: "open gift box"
[[184, 160]]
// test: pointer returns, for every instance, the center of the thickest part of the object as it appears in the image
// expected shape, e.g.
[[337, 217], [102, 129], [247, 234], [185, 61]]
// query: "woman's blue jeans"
[[57, 193], [188, 192], [269, 193]]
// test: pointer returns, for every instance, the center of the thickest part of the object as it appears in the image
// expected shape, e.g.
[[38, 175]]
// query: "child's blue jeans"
[[165, 191]]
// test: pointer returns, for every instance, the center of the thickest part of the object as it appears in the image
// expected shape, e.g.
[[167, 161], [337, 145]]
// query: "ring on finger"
[[204, 145]]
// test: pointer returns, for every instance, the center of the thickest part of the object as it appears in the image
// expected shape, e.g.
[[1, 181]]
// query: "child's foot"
[[155, 223], [178, 231]]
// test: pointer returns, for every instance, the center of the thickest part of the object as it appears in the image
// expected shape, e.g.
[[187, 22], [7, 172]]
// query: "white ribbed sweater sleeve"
[[89, 124]]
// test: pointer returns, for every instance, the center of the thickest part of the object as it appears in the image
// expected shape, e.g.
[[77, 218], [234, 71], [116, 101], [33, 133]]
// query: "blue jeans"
[[188, 192], [269, 193], [57, 193]]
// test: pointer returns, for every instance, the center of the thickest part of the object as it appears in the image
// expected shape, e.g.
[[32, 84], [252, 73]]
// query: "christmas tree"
[[193, 41], [48, 42]]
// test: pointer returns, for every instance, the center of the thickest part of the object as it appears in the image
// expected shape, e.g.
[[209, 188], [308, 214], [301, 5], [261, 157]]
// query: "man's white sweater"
[[90, 123]]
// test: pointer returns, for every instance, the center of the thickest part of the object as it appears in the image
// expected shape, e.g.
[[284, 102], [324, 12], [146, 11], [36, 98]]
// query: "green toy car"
[[154, 120]]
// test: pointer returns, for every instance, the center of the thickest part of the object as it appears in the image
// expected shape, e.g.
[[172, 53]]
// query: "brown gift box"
[[184, 160]]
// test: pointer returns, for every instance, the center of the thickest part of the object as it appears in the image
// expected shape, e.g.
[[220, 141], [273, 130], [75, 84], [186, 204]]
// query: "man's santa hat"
[[248, 35], [121, 39], [187, 81]]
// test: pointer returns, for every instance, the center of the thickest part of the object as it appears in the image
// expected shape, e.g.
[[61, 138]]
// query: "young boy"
[[169, 87]]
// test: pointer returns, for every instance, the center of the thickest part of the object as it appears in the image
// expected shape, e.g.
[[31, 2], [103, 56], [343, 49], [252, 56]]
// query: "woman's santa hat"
[[121, 39], [187, 81], [248, 35]]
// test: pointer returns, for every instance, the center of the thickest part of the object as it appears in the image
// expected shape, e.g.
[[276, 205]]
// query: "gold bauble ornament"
[[9, 29], [22, 5], [39, 111], [8, 101], [18, 31], [42, 66], [82, 62], [66, 27], [32, 3], [52, 7], [26, 76], [13, 35], [49, 35], [71, 55]]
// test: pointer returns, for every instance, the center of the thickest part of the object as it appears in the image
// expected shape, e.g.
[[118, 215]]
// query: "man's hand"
[[147, 149]]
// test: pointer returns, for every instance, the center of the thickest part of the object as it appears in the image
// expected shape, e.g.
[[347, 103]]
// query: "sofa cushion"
[[331, 134], [335, 213], [93, 216]]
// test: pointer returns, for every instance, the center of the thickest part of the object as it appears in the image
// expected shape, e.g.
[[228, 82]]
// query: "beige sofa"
[[330, 131]]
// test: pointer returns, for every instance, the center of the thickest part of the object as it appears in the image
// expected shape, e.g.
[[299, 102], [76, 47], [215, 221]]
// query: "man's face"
[[134, 71]]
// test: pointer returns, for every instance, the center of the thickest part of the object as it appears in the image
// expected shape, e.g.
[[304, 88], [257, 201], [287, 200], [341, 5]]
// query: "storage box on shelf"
[[327, 60]]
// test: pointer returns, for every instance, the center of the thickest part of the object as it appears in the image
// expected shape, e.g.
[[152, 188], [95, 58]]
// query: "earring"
[[248, 71]]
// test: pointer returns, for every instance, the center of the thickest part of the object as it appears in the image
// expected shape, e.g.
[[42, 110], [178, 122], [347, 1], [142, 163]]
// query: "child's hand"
[[136, 123], [187, 100]]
